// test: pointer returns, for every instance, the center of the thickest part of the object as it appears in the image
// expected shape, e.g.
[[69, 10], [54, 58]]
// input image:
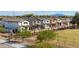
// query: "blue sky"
[[10, 13]]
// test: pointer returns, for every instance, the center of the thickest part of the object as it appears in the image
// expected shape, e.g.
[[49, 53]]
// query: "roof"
[[33, 19], [12, 19], [43, 18]]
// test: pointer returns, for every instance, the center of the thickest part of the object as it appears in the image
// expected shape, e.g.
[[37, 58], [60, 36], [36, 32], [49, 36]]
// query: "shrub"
[[46, 35], [2, 29], [24, 34]]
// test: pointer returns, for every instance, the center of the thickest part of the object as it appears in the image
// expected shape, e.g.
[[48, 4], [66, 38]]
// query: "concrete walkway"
[[4, 46], [27, 41]]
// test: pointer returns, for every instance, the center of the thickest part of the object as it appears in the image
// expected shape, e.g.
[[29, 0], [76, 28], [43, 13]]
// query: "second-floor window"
[[25, 22], [47, 21], [37, 21]]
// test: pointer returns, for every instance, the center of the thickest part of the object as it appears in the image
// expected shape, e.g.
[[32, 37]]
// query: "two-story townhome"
[[45, 23], [35, 23], [39, 23], [66, 22], [53, 23], [13, 23], [60, 23]]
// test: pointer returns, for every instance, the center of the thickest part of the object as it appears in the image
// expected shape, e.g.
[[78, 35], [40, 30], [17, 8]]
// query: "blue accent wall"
[[10, 26]]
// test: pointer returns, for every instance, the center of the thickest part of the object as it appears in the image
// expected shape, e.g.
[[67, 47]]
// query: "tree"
[[28, 15], [39, 16], [75, 20], [46, 35], [44, 38]]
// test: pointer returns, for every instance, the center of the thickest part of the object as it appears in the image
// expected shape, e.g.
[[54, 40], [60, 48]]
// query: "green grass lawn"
[[68, 38]]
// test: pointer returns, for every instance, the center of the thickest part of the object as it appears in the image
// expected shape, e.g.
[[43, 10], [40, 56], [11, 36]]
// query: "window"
[[47, 21], [37, 21], [25, 22]]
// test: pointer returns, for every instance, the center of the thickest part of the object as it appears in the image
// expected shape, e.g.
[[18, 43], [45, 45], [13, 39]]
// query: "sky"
[[19, 13]]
